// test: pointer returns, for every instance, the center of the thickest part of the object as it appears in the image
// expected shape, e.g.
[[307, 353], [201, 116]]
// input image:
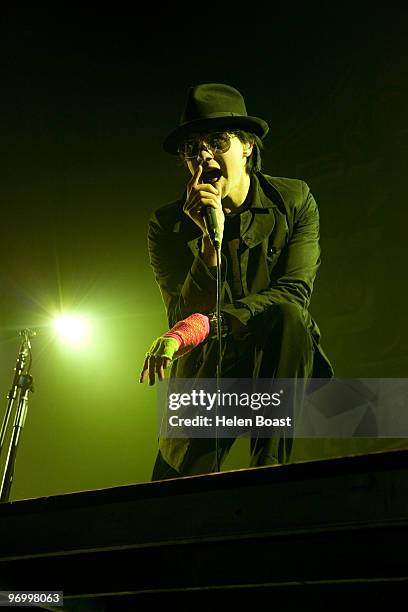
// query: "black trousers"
[[278, 345]]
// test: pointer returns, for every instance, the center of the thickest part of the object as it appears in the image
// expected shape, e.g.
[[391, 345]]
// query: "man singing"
[[269, 228]]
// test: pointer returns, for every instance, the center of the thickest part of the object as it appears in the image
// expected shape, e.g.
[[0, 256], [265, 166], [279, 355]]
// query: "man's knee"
[[289, 312], [283, 315]]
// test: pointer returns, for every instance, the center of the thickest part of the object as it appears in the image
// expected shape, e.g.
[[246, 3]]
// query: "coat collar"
[[258, 221]]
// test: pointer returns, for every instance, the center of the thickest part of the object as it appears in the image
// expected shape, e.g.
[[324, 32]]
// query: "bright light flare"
[[74, 330]]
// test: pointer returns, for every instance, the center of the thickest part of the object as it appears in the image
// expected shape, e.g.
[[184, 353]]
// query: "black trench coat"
[[279, 258]]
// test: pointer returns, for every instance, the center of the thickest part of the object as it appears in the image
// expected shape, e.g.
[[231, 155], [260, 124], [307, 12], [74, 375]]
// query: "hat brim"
[[255, 125]]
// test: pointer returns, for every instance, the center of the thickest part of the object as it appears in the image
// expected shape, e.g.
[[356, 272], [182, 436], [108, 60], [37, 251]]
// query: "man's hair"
[[254, 161]]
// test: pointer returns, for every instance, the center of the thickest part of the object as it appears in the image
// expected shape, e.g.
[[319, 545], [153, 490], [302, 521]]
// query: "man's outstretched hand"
[[158, 358], [189, 332]]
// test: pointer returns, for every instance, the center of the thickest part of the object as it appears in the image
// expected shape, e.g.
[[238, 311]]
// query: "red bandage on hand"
[[190, 332]]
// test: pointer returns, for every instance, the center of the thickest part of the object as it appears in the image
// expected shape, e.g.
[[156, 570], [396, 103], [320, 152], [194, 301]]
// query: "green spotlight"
[[74, 330]]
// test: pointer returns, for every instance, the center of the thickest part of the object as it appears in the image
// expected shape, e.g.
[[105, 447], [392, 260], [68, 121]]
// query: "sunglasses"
[[216, 142]]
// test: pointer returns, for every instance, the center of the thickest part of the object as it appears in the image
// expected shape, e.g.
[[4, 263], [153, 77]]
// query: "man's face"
[[223, 158]]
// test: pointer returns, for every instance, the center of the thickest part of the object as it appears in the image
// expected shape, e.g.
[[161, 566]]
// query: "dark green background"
[[87, 98]]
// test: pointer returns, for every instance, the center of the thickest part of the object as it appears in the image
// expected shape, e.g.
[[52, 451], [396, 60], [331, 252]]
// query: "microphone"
[[211, 225]]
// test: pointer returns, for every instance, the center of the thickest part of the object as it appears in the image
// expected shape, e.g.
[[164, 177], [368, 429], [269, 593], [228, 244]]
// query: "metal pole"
[[22, 385]]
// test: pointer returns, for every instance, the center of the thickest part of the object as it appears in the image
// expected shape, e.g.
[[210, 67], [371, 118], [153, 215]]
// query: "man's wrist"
[[212, 316]]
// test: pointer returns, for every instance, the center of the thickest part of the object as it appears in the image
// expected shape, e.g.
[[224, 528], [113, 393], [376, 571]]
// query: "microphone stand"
[[219, 349], [21, 386], [210, 221]]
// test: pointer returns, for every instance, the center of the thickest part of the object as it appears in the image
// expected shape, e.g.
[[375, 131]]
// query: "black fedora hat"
[[213, 106]]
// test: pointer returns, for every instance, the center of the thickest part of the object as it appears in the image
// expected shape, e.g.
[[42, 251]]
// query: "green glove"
[[163, 347], [158, 358]]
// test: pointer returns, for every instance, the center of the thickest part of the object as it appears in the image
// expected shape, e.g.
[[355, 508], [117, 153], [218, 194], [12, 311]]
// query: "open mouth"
[[211, 176]]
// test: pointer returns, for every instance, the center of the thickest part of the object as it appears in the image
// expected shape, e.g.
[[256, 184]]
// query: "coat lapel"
[[256, 224], [263, 219]]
